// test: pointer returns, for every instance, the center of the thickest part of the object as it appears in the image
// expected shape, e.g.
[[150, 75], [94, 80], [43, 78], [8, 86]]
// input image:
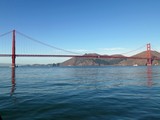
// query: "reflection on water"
[[80, 93], [13, 81], [149, 76], [96, 74]]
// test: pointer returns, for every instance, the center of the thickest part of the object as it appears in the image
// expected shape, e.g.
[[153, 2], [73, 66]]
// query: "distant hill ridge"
[[111, 61]]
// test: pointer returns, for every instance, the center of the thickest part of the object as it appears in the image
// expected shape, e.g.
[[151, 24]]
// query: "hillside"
[[110, 61], [130, 62]]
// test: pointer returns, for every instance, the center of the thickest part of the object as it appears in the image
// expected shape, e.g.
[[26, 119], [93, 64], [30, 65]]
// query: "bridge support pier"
[[13, 50], [149, 59]]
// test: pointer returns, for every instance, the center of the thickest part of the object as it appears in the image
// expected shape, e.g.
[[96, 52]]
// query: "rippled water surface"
[[80, 93]]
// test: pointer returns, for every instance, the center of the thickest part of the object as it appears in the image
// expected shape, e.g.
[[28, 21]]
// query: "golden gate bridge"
[[14, 54]]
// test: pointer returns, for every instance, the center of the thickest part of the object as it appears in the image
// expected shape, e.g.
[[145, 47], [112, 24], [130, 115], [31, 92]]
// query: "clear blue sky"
[[104, 26]]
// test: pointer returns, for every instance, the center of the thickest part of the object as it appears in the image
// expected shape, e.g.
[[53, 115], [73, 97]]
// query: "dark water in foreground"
[[80, 93]]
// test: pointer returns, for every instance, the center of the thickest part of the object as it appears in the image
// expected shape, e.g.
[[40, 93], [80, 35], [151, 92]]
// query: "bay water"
[[80, 93]]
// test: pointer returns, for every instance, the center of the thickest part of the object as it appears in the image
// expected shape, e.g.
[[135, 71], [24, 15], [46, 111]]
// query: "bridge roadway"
[[78, 56]]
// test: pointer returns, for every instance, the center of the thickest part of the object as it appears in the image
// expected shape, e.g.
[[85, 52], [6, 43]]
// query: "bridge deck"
[[81, 56]]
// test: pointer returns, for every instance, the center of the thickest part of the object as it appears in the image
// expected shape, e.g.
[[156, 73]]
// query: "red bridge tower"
[[13, 50], [149, 58]]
